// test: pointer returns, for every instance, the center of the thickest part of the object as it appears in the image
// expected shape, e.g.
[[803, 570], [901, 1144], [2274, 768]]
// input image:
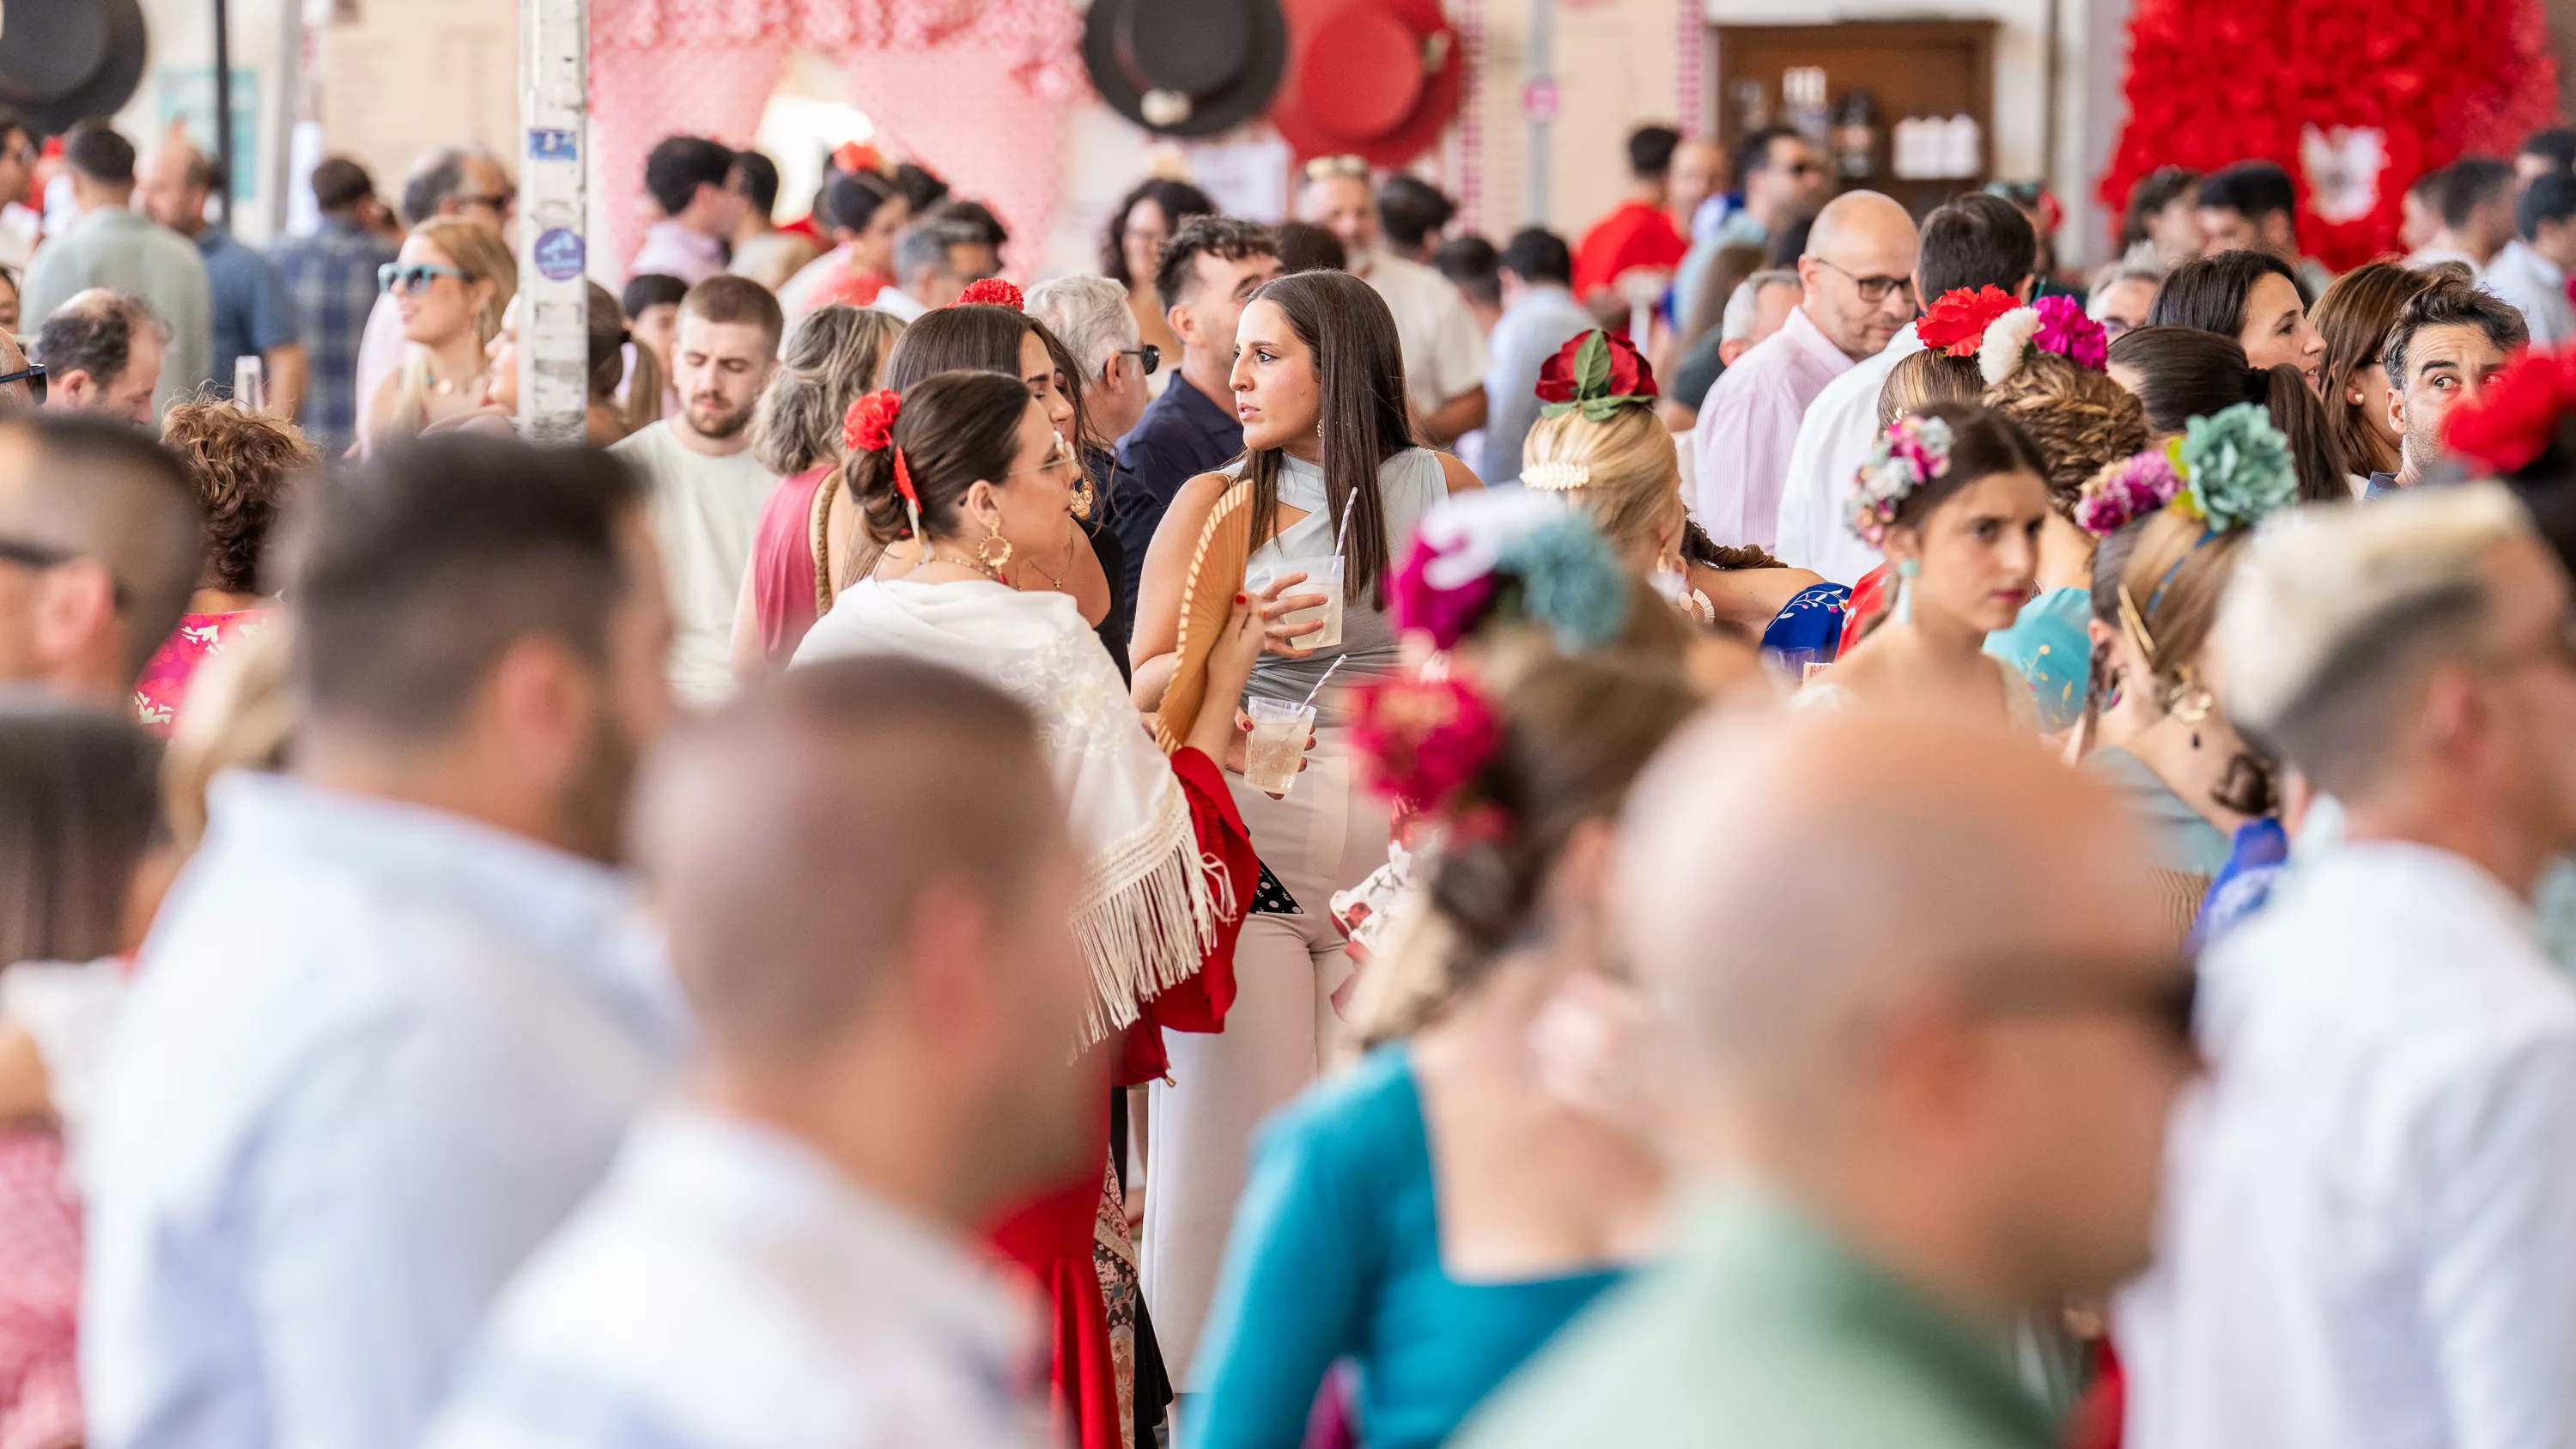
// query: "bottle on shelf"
[[1856, 135]]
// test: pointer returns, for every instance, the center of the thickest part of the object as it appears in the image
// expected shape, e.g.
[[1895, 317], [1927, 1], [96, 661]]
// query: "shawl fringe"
[[1147, 916]]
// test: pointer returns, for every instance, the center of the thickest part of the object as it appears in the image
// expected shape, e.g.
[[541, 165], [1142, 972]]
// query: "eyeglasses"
[[46, 556], [1148, 357], [2166, 999], [414, 277], [32, 376], [1062, 457], [1328, 166], [499, 201], [1873, 290]]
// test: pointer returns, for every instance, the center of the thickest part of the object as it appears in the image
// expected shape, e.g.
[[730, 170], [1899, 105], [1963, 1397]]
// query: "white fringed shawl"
[[1148, 913]]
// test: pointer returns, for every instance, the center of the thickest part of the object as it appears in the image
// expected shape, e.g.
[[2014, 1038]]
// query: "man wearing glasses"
[[118, 248], [1780, 179], [99, 550], [1856, 292]]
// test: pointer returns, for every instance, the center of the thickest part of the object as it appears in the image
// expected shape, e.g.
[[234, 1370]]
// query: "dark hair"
[[1177, 200], [726, 298], [651, 289], [1472, 267], [607, 336], [979, 337], [2186, 373], [1306, 247], [1359, 368], [678, 165], [755, 179], [1727, 268], [1224, 237], [2176, 574], [2547, 198], [2154, 192], [14, 120], [2253, 190], [851, 201], [1790, 244], [80, 805], [1576, 732], [2353, 317], [96, 337], [415, 570], [2556, 144], [440, 175], [1535, 254], [976, 217], [338, 183], [2451, 303], [956, 427], [1650, 151], [106, 490], [2427, 187], [240, 464], [96, 150], [1976, 241], [919, 186], [1410, 210], [2472, 182], [2212, 292], [1983, 442], [2080, 420], [1753, 153]]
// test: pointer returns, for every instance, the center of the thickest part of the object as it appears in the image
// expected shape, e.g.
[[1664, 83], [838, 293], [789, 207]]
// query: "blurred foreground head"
[[1958, 1042]]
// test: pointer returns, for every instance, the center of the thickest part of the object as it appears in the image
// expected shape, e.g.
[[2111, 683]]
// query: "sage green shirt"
[[1764, 1332]]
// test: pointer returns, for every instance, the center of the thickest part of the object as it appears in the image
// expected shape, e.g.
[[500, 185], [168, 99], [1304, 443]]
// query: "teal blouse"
[[1336, 1255], [2047, 643]]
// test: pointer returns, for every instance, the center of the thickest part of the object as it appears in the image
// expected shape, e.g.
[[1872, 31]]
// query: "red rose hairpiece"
[[2513, 421], [1957, 323], [868, 427], [1423, 741], [994, 291], [1598, 373]]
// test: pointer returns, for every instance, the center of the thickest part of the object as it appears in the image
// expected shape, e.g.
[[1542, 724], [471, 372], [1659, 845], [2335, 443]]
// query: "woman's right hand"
[[1277, 632]]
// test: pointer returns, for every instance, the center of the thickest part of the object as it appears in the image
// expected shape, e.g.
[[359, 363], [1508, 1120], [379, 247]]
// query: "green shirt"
[[1762, 1331]]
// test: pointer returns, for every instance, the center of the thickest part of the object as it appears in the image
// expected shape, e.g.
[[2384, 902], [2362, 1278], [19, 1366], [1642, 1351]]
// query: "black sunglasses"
[[1147, 357], [33, 376]]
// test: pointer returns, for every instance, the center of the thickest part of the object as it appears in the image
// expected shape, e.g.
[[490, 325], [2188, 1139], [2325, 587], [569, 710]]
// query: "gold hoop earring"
[[984, 552]]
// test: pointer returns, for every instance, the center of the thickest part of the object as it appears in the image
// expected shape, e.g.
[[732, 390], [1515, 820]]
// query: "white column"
[[554, 332]]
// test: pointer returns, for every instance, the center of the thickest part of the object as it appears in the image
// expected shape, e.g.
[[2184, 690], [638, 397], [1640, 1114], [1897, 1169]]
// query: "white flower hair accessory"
[[1911, 453], [1555, 477], [2006, 342]]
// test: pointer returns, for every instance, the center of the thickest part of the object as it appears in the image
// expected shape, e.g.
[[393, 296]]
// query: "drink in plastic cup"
[[1323, 576], [1276, 748]]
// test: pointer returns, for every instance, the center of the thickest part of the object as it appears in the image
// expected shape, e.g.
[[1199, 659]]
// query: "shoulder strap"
[[1207, 598]]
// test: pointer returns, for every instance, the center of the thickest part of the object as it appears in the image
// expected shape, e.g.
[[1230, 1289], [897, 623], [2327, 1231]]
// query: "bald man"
[[867, 882], [253, 315], [1944, 1069], [99, 550], [1856, 291]]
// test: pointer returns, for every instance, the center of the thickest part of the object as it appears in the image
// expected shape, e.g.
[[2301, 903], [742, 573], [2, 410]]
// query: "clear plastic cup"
[[1276, 748], [1323, 576]]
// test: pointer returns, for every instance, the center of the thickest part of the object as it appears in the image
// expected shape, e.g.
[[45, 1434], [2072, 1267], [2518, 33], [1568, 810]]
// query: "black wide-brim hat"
[[1186, 67], [68, 60]]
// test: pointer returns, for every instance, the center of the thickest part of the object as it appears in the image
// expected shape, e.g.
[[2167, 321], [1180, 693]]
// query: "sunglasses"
[[498, 201], [33, 376], [2167, 999], [1148, 357], [1325, 166], [414, 277], [46, 556]]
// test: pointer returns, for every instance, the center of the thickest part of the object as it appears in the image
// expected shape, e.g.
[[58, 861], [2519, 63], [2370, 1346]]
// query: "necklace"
[[444, 386], [1057, 580], [927, 557]]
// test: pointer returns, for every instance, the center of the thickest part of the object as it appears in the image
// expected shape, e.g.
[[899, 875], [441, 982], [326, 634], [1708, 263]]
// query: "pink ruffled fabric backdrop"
[[973, 89]]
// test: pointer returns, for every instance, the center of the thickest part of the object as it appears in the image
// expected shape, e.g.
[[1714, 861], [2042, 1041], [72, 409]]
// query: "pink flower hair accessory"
[[1424, 741], [2128, 490]]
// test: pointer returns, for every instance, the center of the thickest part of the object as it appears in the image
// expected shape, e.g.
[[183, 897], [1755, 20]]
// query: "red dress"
[[782, 565], [163, 686], [1050, 1239]]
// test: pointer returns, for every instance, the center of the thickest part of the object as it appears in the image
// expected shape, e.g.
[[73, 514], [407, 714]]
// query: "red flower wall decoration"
[[2216, 81]]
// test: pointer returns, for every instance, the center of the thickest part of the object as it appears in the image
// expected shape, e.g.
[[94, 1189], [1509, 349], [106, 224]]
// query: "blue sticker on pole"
[[553, 143], [559, 254]]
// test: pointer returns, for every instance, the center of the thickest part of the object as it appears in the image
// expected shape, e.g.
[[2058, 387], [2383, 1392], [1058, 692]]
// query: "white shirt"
[[2537, 287], [900, 304], [373, 1056], [705, 512], [1444, 349], [673, 250], [2369, 1227], [1834, 441], [1742, 440], [727, 1288], [2434, 256]]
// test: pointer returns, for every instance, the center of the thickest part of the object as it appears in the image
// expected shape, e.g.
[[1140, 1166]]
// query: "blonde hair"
[[1925, 379], [479, 253], [2081, 420], [1623, 472]]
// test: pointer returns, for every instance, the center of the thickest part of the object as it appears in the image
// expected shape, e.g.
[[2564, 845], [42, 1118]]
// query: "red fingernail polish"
[[1239, 598]]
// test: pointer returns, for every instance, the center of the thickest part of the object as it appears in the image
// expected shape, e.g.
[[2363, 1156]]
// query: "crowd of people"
[[1281, 842]]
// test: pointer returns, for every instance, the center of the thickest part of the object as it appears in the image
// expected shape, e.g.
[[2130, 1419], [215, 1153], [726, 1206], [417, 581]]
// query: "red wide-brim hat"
[[1371, 78]]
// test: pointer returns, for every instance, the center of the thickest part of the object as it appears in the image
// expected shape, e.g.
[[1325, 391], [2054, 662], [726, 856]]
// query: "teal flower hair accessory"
[[2237, 468], [1511, 554]]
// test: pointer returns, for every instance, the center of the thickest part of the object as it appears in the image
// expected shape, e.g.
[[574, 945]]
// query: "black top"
[[1181, 435]]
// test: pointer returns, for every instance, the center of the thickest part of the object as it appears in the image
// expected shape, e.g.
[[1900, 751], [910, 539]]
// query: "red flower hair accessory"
[[995, 292], [869, 424], [2515, 419], [1423, 741], [1598, 373], [1956, 324]]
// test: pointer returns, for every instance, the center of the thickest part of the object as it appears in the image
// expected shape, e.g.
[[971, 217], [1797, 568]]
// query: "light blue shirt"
[[374, 1055], [1530, 331]]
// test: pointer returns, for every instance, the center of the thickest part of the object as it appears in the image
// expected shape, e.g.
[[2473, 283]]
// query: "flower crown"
[[1990, 326], [1598, 374], [1909, 454], [1515, 554], [868, 427], [1424, 741], [993, 291], [2519, 415], [2229, 470]]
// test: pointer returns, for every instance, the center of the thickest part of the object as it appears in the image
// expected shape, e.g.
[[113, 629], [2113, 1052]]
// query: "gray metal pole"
[[554, 289], [224, 112], [1538, 65]]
